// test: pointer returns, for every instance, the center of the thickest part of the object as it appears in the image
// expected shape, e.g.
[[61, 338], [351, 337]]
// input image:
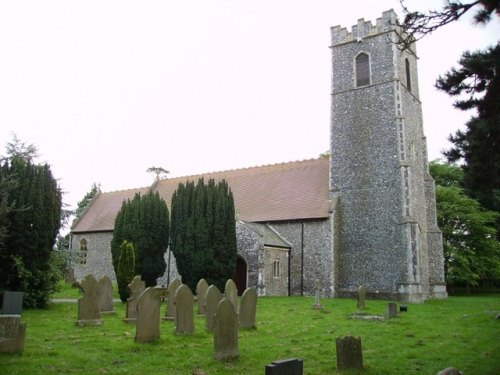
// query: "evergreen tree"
[[204, 232], [126, 269], [144, 221], [82, 205]]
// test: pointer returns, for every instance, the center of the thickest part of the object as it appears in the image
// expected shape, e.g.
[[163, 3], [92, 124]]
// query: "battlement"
[[364, 28]]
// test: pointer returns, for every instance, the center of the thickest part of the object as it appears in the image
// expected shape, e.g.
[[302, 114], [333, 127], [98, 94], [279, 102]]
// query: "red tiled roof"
[[277, 192]]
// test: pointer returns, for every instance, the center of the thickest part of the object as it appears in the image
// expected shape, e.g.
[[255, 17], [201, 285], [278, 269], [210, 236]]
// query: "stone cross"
[[201, 289], [136, 288], [105, 294], [88, 305], [317, 288], [184, 317], [248, 308], [226, 332], [349, 353], [147, 326], [12, 333], [361, 297], [212, 298], [170, 314], [231, 293]]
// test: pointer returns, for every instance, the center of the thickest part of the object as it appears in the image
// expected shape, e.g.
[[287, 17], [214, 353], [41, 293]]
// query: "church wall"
[[248, 245], [98, 255]]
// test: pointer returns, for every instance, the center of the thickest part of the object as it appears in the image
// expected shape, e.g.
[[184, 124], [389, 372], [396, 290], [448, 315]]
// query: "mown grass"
[[461, 332]]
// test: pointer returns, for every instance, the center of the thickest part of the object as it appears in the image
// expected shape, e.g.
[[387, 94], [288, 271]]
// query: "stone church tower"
[[383, 204]]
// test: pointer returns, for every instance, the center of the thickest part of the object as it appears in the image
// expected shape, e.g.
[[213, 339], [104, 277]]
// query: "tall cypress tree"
[[125, 271]]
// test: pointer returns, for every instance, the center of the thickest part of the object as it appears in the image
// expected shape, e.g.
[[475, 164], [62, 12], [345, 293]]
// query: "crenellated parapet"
[[363, 29]]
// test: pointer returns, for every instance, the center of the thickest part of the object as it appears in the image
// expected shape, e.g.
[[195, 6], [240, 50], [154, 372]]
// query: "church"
[[363, 215]]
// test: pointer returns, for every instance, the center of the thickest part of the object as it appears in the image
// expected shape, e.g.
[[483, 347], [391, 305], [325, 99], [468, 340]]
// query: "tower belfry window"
[[362, 69], [408, 75]]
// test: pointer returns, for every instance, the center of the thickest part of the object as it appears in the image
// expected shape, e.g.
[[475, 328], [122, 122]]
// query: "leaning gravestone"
[[292, 366], [231, 293], [226, 332], [147, 326], [136, 288], [88, 306], [170, 314], [201, 289], [212, 298], [12, 333], [105, 294], [70, 275], [12, 303], [248, 308], [349, 353], [392, 310], [184, 317], [361, 297]]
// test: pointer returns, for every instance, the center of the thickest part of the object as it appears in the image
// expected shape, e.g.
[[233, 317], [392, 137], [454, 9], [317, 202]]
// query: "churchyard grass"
[[461, 332]]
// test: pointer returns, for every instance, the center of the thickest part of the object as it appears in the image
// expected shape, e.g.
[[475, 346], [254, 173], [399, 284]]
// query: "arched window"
[[276, 268], [408, 75], [83, 251], [362, 69]]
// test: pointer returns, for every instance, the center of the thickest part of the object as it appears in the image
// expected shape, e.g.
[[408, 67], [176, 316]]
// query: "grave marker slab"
[[147, 326], [361, 297], [292, 366], [12, 303], [392, 310], [212, 298], [248, 309], [184, 317], [317, 302], [226, 332], [12, 333], [170, 313], [349, 353], [450, 371], [201, 289], [231, 293], [88, 306], [136, 287], [105, 294]]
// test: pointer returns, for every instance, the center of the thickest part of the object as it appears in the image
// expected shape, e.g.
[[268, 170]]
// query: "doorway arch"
[[240, 274]]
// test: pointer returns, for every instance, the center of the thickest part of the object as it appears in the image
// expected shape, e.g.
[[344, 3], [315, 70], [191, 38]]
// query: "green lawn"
[[461, 332]]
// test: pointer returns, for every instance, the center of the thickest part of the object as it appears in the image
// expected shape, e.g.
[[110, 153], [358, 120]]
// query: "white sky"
[[106, 89]]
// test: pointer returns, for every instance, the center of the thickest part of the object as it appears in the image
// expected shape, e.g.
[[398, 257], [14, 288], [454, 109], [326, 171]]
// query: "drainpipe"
[[302, 259], [289, 272]]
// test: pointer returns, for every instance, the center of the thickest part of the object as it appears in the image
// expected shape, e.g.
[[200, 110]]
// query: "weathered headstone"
[[136, 288], [450, 371], [226, 332], [147, 326], [70, 275], [184, 317], [212, 298], [317, 289], [170, 313], [392, 310], [201, 289], [105, 295], [248, 309], [12, 303], [231, 293], [349, 353], [88, 305], [12, 333], [292, 366], [361, 297]]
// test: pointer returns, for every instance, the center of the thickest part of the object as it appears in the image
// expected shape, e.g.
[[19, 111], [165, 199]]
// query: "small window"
[[83, 251], [408, 75], [362, 69], [276, 268]]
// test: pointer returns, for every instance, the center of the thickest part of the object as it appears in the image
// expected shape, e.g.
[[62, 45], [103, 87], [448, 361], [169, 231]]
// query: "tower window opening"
[[408, 75], [362, 69]]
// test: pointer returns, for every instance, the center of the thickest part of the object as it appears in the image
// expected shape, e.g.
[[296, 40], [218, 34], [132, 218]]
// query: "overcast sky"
[[107, 89]]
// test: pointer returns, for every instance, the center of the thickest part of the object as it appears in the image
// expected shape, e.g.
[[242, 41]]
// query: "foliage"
[[82, 205], [144, 221], [32, 224], [204, 232], [471, 249], [126, 269], [158, 171]]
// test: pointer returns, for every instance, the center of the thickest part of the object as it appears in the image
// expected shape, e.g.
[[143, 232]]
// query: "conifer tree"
[[126, 269]]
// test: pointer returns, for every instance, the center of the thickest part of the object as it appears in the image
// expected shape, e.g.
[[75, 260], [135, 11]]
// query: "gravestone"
[[105, 294], [88, 306], [450, 371], [361, 297], [201, 289], [231, 293], [170, 313], [12, 333], [317, 289], [70, 275], [184, 317], [226, 332], [212, 298], [349, 353], [136, 288], [392, 310], [292, 366], [248, 308], [12, 303], [147, 326]]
